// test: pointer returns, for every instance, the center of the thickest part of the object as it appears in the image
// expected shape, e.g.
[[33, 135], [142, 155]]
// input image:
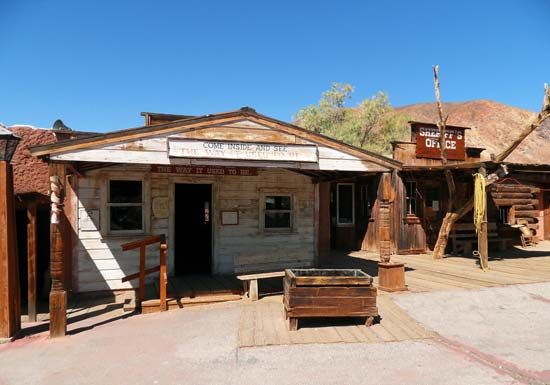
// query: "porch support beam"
[[31, 261], [58, 293], [10, 304]]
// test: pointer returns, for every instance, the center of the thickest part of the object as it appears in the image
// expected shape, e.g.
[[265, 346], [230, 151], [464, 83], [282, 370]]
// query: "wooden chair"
[[527, 237]]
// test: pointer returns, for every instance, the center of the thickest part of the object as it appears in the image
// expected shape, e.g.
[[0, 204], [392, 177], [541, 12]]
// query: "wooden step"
[[153, 305], [130, 300]]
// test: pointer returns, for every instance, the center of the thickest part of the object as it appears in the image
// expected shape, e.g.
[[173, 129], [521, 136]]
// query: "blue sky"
[[97, 64]]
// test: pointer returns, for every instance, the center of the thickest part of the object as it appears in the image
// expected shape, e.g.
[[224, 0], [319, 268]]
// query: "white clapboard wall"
[[99, 262]]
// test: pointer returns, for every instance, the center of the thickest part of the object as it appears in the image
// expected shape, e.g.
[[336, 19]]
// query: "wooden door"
[[193, 229]]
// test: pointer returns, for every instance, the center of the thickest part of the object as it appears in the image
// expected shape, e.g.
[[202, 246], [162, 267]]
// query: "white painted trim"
[[293, 218], [338, 223], [105, 215]]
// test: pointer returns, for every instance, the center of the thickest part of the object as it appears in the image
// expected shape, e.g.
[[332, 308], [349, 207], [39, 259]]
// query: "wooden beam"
[[31, 262], [163, 278], [483, 233], [10, 304], [58, 293]]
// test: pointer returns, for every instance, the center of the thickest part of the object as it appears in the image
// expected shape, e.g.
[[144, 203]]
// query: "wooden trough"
[[328, 293]]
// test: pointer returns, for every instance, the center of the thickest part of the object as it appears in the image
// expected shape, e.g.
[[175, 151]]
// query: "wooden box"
[[328, 293]]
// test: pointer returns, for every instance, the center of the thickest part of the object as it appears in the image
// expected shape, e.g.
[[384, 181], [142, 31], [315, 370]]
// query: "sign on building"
[[204, 170], [212, 149], [428, 144]]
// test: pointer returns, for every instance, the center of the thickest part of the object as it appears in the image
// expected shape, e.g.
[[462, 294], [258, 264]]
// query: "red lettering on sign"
[[205, 170]]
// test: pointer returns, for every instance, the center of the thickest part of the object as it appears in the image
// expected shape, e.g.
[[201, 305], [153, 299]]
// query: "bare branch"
[[442, 123], [537, 122]]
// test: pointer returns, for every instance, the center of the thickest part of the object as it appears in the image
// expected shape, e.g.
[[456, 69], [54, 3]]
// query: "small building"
[[422, 198], [233, 192]]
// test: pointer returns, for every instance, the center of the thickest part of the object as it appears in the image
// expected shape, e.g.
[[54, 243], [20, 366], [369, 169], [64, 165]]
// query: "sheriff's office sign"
[[428, 144]]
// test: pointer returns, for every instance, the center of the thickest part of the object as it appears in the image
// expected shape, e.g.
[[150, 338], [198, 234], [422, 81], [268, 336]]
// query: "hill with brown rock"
[[493, 126]]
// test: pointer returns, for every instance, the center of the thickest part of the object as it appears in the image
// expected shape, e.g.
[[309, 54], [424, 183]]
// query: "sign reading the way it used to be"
[[428, 146], [211, 149], [204, 170]]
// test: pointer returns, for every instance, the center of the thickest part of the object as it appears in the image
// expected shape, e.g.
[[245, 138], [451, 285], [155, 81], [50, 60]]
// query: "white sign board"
[[212, 149]]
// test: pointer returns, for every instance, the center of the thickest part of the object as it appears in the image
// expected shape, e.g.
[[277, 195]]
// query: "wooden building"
[[233, 192], [421, 193]]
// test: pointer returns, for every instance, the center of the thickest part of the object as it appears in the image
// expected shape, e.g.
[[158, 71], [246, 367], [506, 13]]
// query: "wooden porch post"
[[391, 275], [322, 220], [31, 262], [58, 293], [10, 302], [482, 235]]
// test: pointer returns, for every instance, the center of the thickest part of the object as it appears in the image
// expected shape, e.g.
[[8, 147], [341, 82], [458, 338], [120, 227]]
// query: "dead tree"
[[451, 217], [440, 245]]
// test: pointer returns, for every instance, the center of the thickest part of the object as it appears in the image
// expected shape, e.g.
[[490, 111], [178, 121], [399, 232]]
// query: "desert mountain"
[[493, 127]]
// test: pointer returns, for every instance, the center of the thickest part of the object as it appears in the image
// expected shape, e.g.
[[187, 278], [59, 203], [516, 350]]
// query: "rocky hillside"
[[493, 126]]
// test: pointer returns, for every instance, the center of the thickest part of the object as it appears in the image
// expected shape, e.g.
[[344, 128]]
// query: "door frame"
[[172, 220]]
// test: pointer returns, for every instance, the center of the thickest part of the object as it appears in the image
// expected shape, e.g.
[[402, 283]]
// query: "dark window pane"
[[277, 220], [277, 203], [126, 218], [345, 203], [125, 191]]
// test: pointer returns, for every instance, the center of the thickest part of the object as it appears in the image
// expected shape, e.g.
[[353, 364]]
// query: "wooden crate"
[[328, 293]]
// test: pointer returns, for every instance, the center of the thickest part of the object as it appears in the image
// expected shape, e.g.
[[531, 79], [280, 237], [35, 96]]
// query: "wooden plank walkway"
[[263, 323], [514, 266]]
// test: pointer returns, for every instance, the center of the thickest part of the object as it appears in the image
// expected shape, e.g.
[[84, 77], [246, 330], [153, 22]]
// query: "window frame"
[[345, 224], [264, 211], [144, 204], [409, 199]]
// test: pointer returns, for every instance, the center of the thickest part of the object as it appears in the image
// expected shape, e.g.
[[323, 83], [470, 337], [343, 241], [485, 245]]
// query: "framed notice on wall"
[[230, 217]]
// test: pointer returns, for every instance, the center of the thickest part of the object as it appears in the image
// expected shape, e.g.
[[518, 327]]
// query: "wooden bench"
[[464, 238], [250, 282]]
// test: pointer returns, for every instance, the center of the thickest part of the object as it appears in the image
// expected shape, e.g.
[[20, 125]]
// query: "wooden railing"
[[143, 271]]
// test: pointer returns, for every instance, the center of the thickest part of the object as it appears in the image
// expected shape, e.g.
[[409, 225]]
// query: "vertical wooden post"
[[31, 261], [482, 235], [391, 275], [10, 303], [163, 278], [58, 293], [142, 251]]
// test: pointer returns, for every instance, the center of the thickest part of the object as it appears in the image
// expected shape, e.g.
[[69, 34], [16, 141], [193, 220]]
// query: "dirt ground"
[[486, 336]]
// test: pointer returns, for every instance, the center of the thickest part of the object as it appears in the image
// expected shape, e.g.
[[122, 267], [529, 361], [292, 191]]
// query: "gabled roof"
[[196, 122]]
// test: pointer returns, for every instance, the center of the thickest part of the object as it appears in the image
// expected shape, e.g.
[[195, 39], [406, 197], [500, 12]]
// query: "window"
[[345, 204], [125, 206], [278, 212], [503, 214], [432, 198], [411, 197]]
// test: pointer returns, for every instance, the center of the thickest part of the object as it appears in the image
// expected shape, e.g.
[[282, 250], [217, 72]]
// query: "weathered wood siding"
[[406, 153], [154, 150], [524, 203], [100, 264]]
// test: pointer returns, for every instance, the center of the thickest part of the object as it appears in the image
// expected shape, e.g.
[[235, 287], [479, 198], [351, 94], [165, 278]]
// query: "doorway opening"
[[193, 229]]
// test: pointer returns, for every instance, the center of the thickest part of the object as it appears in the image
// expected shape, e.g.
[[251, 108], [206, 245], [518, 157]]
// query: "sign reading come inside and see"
[[210, 149]]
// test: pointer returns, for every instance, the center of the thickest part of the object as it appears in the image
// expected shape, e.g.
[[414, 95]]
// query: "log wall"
[[524, 203]]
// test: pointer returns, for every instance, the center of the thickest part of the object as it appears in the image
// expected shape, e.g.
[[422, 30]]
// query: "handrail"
[[148, 271], [144, 242], [161, 268]]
